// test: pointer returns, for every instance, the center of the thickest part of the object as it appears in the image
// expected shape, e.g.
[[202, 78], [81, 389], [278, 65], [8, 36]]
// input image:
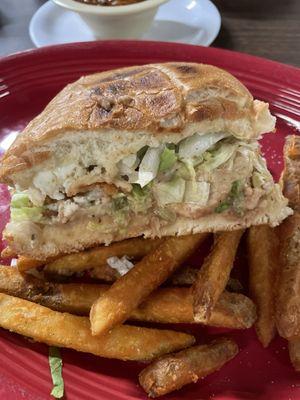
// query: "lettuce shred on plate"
[[55, 363]]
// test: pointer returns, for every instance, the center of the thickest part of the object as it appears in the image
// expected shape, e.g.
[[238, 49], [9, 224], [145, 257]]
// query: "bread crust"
[[155, 99]]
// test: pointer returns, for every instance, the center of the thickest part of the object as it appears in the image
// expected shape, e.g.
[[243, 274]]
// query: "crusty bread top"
[[155, 99]]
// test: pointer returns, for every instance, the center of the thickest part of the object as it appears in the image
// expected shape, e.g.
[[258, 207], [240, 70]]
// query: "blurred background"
[[266, 28]]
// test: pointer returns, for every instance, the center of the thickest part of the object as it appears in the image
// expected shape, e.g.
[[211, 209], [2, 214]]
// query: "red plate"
[[27, 82]]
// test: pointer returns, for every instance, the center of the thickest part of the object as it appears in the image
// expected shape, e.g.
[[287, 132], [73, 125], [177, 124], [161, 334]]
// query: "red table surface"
[[27, 82]]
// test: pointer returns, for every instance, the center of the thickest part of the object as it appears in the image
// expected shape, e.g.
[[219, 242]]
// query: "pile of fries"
[[50, 306]]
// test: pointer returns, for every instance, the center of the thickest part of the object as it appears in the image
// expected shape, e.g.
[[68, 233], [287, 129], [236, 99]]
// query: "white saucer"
[[182, 21]]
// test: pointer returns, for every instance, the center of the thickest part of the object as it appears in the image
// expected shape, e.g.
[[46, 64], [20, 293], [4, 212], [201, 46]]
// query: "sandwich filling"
[[214, 173]]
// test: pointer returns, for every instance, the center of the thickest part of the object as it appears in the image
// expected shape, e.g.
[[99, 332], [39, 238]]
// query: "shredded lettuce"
[[26, 214], [139, 192], [119, 202], [55, 363], [19, 200], [183, 171], [260, 165], [258, 179], [167, 159], [196, 145], [191, 170], [139, 199], [128, 164], [142, 152], [149, 166], [222, 207], [197, 192], [169, 192], [219, 156], [21, 209]]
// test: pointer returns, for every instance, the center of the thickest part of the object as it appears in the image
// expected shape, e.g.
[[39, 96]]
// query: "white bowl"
[[115, 22]]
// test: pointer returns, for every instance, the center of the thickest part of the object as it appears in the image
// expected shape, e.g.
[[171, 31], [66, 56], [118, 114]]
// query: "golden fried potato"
[[124, 296], [214, 274], [171, 372], [25, 263], [264, 265], [167, 305], [66, 330], [288, 299], [96, 257]]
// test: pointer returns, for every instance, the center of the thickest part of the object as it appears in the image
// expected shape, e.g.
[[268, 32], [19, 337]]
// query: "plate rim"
[[19, 55]]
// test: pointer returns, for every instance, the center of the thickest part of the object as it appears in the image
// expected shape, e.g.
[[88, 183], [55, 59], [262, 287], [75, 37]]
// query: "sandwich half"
[[153, 150]]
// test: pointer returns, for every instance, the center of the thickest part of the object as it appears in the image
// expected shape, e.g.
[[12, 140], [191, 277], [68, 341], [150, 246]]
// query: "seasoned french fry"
[[8, 252], [172, 372], [25, 263], [167, 305], [214, 274], [263, 256], [124, 296], [66, 330], [96, 257], [175, 305], [288, 299], [185, 276], [101, 272], [105, 273], [294, 351]]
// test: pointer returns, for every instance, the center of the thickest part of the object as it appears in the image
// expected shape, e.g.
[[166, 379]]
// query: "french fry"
[[294, 352], [124, 296], [184, 277], [101, 272], [25, 263], [175, 305], [66, 330], [214, 274], [8, 252], [288, 299], [172, 372], [104, 273], [263, 256], [96, 257], [167, 305]]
